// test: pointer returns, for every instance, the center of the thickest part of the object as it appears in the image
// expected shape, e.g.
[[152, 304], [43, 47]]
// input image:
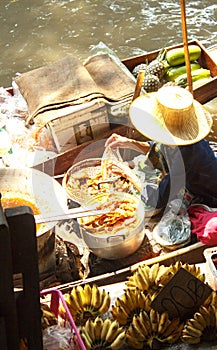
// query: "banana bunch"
[[163, 279], [87, 302], [129, 304], [151, 329], [211, 300], [47, 317], [102, 334], [146, 278], [203, 325]]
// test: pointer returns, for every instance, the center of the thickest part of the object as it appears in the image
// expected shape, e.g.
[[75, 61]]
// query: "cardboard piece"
[[182, 295]]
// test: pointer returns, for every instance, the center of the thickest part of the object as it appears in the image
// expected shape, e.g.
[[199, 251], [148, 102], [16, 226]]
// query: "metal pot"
[[38, 188], [121, 241]]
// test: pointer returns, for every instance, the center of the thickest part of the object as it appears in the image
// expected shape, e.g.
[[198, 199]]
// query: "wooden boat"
[[193, 253]]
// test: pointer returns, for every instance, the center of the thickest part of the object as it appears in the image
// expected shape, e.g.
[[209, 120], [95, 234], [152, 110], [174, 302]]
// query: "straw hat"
[[170, 116]]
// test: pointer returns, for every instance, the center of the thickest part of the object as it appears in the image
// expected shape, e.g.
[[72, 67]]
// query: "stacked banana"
[[151, 329], [146, 278], [203, 325], [48, 318], [129, 304], [87, 302], [152, 279], [102, 334]]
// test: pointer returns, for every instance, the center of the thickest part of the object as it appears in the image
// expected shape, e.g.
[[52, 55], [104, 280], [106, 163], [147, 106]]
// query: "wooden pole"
[[185, 42]]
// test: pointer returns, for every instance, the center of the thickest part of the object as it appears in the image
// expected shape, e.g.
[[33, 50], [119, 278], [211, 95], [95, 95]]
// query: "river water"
[[36, 32]]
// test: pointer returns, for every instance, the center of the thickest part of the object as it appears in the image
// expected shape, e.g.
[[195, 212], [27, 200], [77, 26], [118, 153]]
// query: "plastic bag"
[[109, 157], [174, 227], [56, 337]]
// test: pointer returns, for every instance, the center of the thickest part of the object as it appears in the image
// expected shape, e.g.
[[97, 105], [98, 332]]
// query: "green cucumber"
[[176, 56], [174, 72], [197, 74]]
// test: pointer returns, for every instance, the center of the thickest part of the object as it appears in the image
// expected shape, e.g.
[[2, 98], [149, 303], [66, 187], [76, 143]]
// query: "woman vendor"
[[173, 119]]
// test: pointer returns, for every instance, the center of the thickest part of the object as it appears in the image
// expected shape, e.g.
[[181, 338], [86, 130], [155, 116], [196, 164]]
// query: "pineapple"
[[157, 68], [151, 83], [140, 67]]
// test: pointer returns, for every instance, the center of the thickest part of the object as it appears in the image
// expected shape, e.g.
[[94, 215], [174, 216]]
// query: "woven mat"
[[68, 82]]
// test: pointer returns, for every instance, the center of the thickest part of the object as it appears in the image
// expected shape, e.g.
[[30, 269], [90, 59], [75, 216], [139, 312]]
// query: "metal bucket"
[[120, 242]]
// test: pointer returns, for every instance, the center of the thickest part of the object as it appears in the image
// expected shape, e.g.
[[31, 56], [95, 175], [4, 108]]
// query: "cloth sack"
[[204, 223], [50, 90]]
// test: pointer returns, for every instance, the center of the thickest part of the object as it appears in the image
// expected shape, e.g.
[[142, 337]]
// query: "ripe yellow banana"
[[89, 327], [133, 343], [194, 332], [190, 340], [195, 324], [87, 294], [200, 319], [105, 303], [154, 318], [214, 299], [137, 333], [205, 313], [118, 341], [140, 326], [77, 295], [212, 312], [174, 323], [86, 339], [121, 315], [98, 327], [71, 306], [130, 298], [141, 282], [143, 315], [172, 338], [74, 303], [163, 322], [154, 272], [96, 297], [112, 332], [105, 327]]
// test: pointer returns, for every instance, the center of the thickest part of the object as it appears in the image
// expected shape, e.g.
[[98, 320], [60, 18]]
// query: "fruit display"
[[169, 68], [153, 329], [130, 322], [203, 324], [87, 302], [102, 334]]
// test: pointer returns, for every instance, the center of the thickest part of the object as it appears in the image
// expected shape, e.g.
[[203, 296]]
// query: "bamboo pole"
[[185, 42], [137, 91]]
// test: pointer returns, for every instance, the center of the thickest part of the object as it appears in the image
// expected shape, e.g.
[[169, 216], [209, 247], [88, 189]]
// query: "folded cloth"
[[68, 82], [204, 223]]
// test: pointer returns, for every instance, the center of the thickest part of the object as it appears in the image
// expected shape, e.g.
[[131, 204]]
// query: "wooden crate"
[[203, 93]]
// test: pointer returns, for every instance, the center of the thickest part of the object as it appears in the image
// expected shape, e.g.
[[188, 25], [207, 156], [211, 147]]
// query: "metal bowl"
[[75, 181]]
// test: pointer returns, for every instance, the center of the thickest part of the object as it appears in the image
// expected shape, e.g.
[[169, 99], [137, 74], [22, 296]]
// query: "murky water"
[[36, 32]]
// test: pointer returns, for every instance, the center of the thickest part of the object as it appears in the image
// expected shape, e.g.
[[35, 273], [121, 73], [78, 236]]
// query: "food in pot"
[[84, 182], [10, 202], [122, 214]]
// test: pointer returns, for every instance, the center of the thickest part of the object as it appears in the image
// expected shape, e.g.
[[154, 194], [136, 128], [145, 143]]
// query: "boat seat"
[[20, 312]]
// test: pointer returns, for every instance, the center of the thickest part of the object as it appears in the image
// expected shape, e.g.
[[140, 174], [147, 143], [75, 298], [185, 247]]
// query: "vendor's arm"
[[171, 184], [118, 141]]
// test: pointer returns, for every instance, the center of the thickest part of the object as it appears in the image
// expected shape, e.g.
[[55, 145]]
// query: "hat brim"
[[143, 117]]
